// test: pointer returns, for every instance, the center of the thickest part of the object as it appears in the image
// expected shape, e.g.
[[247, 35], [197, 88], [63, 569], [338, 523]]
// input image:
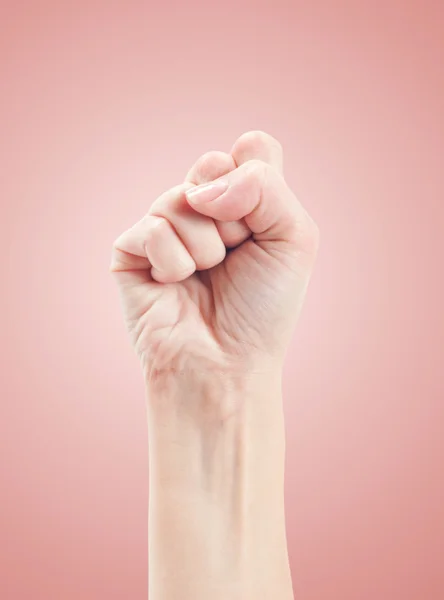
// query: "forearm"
[[216, 522]]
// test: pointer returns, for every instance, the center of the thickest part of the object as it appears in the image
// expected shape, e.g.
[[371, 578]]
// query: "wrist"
[[217, 451], [213, 394], [199, 422]]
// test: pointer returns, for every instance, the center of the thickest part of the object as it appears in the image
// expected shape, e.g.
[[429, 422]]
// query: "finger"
[[257, 192], [152, 246], [170, 260], [193, 232], [198, 233], [258, 145], [208, 167], [129, 259]]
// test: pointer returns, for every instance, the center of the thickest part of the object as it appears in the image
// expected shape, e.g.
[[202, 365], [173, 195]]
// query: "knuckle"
[[170, 201], [259, 172], [208, 260], [256, 138], [116, 244], [208, 158], [257, 167], [209, 165], [219, 254], [154, 226], [119, 253], [120, 242]]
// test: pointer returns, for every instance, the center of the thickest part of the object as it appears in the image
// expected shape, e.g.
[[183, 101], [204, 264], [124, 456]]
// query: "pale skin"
[[212, 282]]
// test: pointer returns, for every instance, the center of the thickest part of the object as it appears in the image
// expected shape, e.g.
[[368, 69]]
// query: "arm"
[[213, 279], [216, 519]]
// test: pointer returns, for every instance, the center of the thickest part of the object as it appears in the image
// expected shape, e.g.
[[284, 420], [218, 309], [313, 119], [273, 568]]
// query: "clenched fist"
[[214, 275]]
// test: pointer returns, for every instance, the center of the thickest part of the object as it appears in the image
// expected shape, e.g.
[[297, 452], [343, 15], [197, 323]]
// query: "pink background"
[[103, 105]]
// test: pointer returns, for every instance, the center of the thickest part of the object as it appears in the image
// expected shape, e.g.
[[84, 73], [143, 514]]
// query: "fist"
[[215, 274]]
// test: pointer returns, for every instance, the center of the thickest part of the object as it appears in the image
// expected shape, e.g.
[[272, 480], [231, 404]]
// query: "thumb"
[[257, 193]]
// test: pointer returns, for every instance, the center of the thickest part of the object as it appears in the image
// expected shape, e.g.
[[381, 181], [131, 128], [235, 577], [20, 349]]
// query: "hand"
[[214, 277]]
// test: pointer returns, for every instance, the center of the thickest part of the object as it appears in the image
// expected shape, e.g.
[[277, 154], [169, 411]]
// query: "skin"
[[212, 282]]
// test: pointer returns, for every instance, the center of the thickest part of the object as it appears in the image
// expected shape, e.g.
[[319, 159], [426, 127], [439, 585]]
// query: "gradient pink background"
[[105, 104]]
